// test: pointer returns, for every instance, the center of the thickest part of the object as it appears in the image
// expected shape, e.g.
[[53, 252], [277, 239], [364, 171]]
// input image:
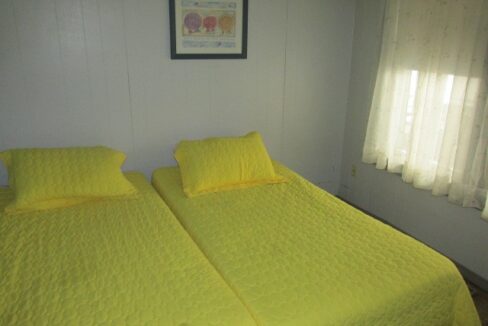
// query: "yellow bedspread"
[[297, 255], [109, 263]]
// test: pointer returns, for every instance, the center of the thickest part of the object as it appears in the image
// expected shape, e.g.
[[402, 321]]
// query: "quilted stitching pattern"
[[217, 164], [53, 177], [113, 262], [299, 256]]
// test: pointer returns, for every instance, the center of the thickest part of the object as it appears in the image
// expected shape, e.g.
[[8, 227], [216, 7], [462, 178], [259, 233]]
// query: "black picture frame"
[[210, 53]]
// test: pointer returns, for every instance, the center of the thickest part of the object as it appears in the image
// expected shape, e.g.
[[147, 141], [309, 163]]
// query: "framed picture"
[[208, 29]]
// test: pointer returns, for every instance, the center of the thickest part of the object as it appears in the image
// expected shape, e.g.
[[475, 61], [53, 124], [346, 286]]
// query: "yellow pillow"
[[216, 164], [58, 177]]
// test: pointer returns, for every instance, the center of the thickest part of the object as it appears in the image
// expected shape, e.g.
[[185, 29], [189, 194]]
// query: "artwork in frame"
[[208, 29]]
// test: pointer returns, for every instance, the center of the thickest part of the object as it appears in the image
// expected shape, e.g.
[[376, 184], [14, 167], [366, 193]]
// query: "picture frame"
[[208, 29]]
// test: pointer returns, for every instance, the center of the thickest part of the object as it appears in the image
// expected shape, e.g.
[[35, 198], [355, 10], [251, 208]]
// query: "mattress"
[[117, 262], [297, 255]]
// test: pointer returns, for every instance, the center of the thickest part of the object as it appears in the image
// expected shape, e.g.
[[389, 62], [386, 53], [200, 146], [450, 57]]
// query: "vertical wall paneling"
[[317, 70], [78, 109], [11, 75], [41, 104], [115, 67]]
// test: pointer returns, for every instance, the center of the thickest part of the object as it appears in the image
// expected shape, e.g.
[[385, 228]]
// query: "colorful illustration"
[[227, 24], [210, 26], [192, 22], [209, 23]]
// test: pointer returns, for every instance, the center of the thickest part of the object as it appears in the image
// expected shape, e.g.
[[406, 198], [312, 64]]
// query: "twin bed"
[[296, 255], [117, 262], [273, 254]]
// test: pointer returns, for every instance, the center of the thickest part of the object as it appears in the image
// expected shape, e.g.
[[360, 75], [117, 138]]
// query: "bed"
[[297, 255], [118, 262]]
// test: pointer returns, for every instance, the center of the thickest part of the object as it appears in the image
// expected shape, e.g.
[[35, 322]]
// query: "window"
[[429, 114]]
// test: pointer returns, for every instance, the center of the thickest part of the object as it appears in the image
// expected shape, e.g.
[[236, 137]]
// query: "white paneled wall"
[[86, 72], [315, 95]]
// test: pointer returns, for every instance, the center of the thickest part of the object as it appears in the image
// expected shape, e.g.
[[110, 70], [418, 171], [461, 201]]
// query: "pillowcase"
[[47, 178], [217, 164]]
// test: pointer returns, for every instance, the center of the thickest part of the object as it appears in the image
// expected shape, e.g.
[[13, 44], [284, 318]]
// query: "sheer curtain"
[[429, 115]]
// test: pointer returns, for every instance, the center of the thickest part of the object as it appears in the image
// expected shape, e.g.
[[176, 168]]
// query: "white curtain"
[[429, 115]]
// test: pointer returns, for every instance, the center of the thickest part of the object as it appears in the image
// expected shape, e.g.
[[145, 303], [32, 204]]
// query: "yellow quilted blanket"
[[297, 255], [111, 262]]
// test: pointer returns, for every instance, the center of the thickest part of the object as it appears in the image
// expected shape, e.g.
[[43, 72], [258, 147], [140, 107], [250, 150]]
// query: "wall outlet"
[[353, 170]]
